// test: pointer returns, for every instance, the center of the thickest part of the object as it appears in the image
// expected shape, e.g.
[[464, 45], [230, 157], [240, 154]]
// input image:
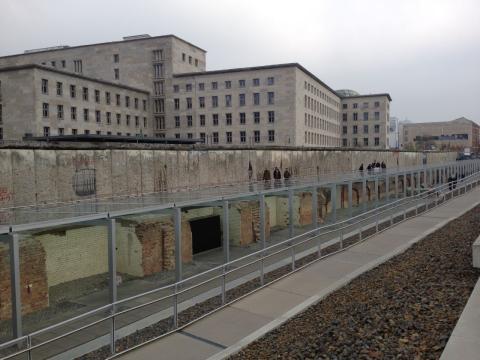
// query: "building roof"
[[66, 73], [104, 43], [253, 68], [460, 120], [367, 95]]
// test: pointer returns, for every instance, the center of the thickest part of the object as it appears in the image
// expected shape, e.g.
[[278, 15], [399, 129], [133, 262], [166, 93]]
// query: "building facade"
[[456, 135], [365, 120], [267, 105], [393, 133]]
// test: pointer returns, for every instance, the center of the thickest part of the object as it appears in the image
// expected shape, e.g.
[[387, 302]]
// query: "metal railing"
[[298, 248]]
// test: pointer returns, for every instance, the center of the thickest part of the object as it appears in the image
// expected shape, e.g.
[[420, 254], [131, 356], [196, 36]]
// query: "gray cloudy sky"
[[425, 53]]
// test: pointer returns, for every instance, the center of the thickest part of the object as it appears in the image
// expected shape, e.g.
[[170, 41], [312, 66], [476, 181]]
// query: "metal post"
[[350, 191], [178, 244], [223, 286], [333, 199], [290, 213], [404, 185], [226, 233], [364, 194], [15, 285], [262, 220], [112, 276], [396, 186], [387, 188], [314, 208], [377, 192], [175, 306]]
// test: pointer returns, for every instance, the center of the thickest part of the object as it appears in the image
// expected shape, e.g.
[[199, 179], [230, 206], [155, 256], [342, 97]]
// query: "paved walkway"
[[233, 327]]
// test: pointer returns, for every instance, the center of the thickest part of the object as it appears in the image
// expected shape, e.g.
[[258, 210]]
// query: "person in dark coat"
[[361, 168], [384, 167], [286, 176], [277, 176]]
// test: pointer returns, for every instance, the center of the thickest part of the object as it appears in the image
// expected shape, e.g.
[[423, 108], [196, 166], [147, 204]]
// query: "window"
[[256, 82], [74, 131], [60, 112], [228, 119], [201, 86], [215, 137], [85, 94], [355, 142], [53, 63], [241, 83], [355, 116], [158, 87], [365, 141], [157, 55], [270, 80], [116, 74], [355, 105], [365, 129], [44, 86], [256, 117], [98, 116], [355, 129], [196, 62], [137, 122], [189, 120], [242, 119], [119, 118], [77, 66], [271, 135], [228, 84], [190, 136], [159, 122], [61, 131], [176, 104], [144, 104], [228, 100], [271, 98], [344, 116], [365, 116], [117, 96], [188, 87], [86, 132], [365, 105], [189, 103], [345, 131], [241, 99], [183, 56], [127, 122], [177, 121], [1, 114], [214, 101], [243, 136], [116, 58], [46, 131], [256, 99], [377, 115], [344, 106], [127, 101], [45, 109], [159, 105], [214, 85], [201, 102], [215, 119], [229, 137], [377, 129], [107, 98], [109, 118], [344, 142], [73, 113], [176, 88], [202, 136], [97, 96], [377, 141], [135, 103], [271, 117], [59, 89], [158, 71], [85, 115], [73, 91], [64, 64], [190, 60], [256, 136], [202, 120]]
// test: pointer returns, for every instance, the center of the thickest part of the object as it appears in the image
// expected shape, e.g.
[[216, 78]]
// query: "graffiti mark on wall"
[[160, 183], [84, 182], [5, 194]]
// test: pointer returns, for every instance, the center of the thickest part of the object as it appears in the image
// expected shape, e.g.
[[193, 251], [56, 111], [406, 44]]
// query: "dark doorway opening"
[[206, 233]]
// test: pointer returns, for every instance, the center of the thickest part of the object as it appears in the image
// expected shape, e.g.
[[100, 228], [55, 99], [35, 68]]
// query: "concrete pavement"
[[235, 326]]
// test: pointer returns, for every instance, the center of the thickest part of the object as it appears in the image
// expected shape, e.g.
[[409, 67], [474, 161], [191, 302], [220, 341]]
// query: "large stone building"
[[276, 105], [456, 134], [365, 119]]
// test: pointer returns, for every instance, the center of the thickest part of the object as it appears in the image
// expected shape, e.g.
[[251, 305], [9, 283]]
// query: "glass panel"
[[276, 206], [5, 291]]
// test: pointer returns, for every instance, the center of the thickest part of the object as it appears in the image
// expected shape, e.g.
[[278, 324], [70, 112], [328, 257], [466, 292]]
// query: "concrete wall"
[[37, 176]]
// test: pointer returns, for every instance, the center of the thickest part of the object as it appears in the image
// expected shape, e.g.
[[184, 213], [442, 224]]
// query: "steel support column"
[[377, 192], [290, 213], [226, 232], [314, 208], [333, 200], [387, 188], [350, 191], [16, 300], [364, 195], [262, 221], [404, 185], [178, 244], [112, 260]]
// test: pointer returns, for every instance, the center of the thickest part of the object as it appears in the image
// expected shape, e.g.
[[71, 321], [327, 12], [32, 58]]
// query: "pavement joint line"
[[241, 344], [272, 287], [202, 339]]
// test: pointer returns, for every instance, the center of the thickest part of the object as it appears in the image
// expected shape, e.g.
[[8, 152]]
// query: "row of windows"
[[228, 119], [355, 142], [318, 123], [86, 115], [319, 93], [96, 95], [376, 116], [61, 131], [77, 65], [318, 107], [365, 105], [270, 100], [214, 137], [376, 129], [312, 138], [191, 60], [228, 84]]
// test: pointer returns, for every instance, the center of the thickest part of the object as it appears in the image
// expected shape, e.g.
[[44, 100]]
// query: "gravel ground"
[[405, 308]]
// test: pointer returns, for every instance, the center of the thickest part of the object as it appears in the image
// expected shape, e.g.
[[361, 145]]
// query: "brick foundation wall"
[[250, 222]]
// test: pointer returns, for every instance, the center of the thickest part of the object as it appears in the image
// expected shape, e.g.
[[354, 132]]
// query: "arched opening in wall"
[[206, 233]]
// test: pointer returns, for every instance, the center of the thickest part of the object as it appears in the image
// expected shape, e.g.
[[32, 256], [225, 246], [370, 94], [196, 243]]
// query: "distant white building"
[[393, 133]]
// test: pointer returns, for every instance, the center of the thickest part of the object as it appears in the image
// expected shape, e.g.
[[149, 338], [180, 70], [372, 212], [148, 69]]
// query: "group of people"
[[374, 167]]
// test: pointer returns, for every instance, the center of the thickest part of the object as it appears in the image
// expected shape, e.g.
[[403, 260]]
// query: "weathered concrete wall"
[[37, 176]]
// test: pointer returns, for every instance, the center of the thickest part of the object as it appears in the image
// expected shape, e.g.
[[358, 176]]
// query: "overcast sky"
[[426, 54]]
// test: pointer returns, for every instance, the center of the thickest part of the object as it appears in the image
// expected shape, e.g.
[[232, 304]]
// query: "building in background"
[[455, 135], [284, 105], [365, 119], [393, 134]]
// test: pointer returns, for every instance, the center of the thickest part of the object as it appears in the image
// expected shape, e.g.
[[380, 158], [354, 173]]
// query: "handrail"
[[265, 254]]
